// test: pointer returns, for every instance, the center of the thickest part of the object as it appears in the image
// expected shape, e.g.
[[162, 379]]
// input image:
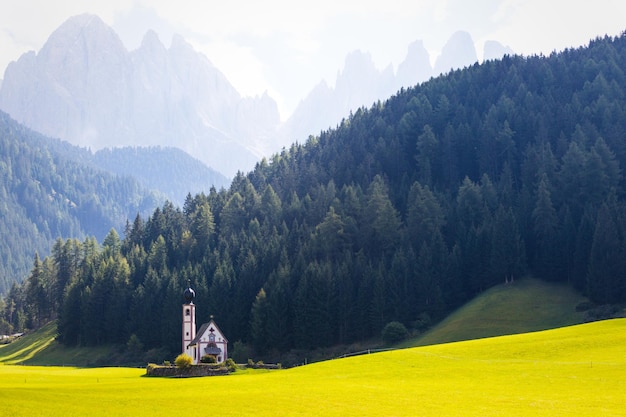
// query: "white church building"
[[208, 340]]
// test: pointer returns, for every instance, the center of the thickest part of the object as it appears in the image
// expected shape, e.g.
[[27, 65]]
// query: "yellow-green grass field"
[[571, 371]]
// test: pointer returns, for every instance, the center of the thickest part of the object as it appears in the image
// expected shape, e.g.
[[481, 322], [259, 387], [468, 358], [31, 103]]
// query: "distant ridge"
[[360, 83], [169, 170]]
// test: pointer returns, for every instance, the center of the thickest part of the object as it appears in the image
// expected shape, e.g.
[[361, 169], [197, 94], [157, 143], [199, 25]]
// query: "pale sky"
[[287, 47]]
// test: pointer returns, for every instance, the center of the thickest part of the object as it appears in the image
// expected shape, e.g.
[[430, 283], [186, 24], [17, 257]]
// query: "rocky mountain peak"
[[152, 43], [83, 37], [495, 50], [85, 87], [416, 67], [458, 52]]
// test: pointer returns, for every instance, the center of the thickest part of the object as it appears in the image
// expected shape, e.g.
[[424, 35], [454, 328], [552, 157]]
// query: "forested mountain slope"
[[49, 189], [408, 208], [169, 170]]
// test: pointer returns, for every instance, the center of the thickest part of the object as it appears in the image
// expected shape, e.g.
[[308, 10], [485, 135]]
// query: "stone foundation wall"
[[192, 371]]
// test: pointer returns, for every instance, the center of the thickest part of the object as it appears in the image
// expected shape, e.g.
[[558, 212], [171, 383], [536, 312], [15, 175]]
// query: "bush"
[[231, 365], [208, 359], [423, 322], [183, 361], [394, 332], [241, 352], [584, 306], [156, 355], [603, 312], [134, 345]]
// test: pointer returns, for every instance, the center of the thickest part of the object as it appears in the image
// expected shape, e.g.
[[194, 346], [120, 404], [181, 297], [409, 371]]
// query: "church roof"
[[212, 350], [211, 327]]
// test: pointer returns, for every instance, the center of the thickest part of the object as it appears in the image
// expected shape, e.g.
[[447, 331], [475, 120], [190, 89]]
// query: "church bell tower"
[[189, 322]]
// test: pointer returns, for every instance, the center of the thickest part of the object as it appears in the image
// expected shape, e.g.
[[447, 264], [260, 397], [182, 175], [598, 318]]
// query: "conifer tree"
[[605, 277], [545, 223]]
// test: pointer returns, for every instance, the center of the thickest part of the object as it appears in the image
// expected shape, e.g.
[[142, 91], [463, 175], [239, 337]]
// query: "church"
[[208, 340]]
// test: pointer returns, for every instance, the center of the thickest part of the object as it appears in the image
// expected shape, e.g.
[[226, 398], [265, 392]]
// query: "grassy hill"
[[41, 348], [523, 306], [577, 370], [25, 348]]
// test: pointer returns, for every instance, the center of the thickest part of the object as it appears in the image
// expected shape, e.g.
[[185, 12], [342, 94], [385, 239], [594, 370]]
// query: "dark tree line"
[[407, 209]]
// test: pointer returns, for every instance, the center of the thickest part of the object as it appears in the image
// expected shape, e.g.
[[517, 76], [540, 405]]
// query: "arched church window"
[[187, 312]]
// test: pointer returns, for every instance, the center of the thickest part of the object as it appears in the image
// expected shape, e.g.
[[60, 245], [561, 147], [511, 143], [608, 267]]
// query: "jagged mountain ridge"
[[85, 87], [360, 84]]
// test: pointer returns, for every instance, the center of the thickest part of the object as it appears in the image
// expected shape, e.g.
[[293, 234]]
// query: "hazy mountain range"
[[84, 86]]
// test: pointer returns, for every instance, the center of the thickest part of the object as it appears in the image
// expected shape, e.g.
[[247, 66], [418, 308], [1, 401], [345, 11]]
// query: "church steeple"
[[189, 322], [189, 295]]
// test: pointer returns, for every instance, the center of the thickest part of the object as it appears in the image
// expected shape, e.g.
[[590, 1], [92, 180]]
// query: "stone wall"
[[192, 371]]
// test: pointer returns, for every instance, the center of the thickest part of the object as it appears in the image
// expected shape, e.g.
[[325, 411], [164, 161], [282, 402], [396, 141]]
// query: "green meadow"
[[571, 371]]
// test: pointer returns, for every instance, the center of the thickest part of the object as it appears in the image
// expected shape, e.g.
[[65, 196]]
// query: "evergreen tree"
[[545, 223], [330, 236], [432, 263], [70, 319], [584, 240], [507, 253], [425, 216], [606, 281], [202, 228], [36, 297], [571, 180], [381, 221], [427, 144], [280, 311], [270, 206], [233, 215], [469, 205], [260, 321]]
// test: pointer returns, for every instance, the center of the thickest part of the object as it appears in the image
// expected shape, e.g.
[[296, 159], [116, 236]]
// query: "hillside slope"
[[40, 348], [523, 306], [25, 348], [169, 170]]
